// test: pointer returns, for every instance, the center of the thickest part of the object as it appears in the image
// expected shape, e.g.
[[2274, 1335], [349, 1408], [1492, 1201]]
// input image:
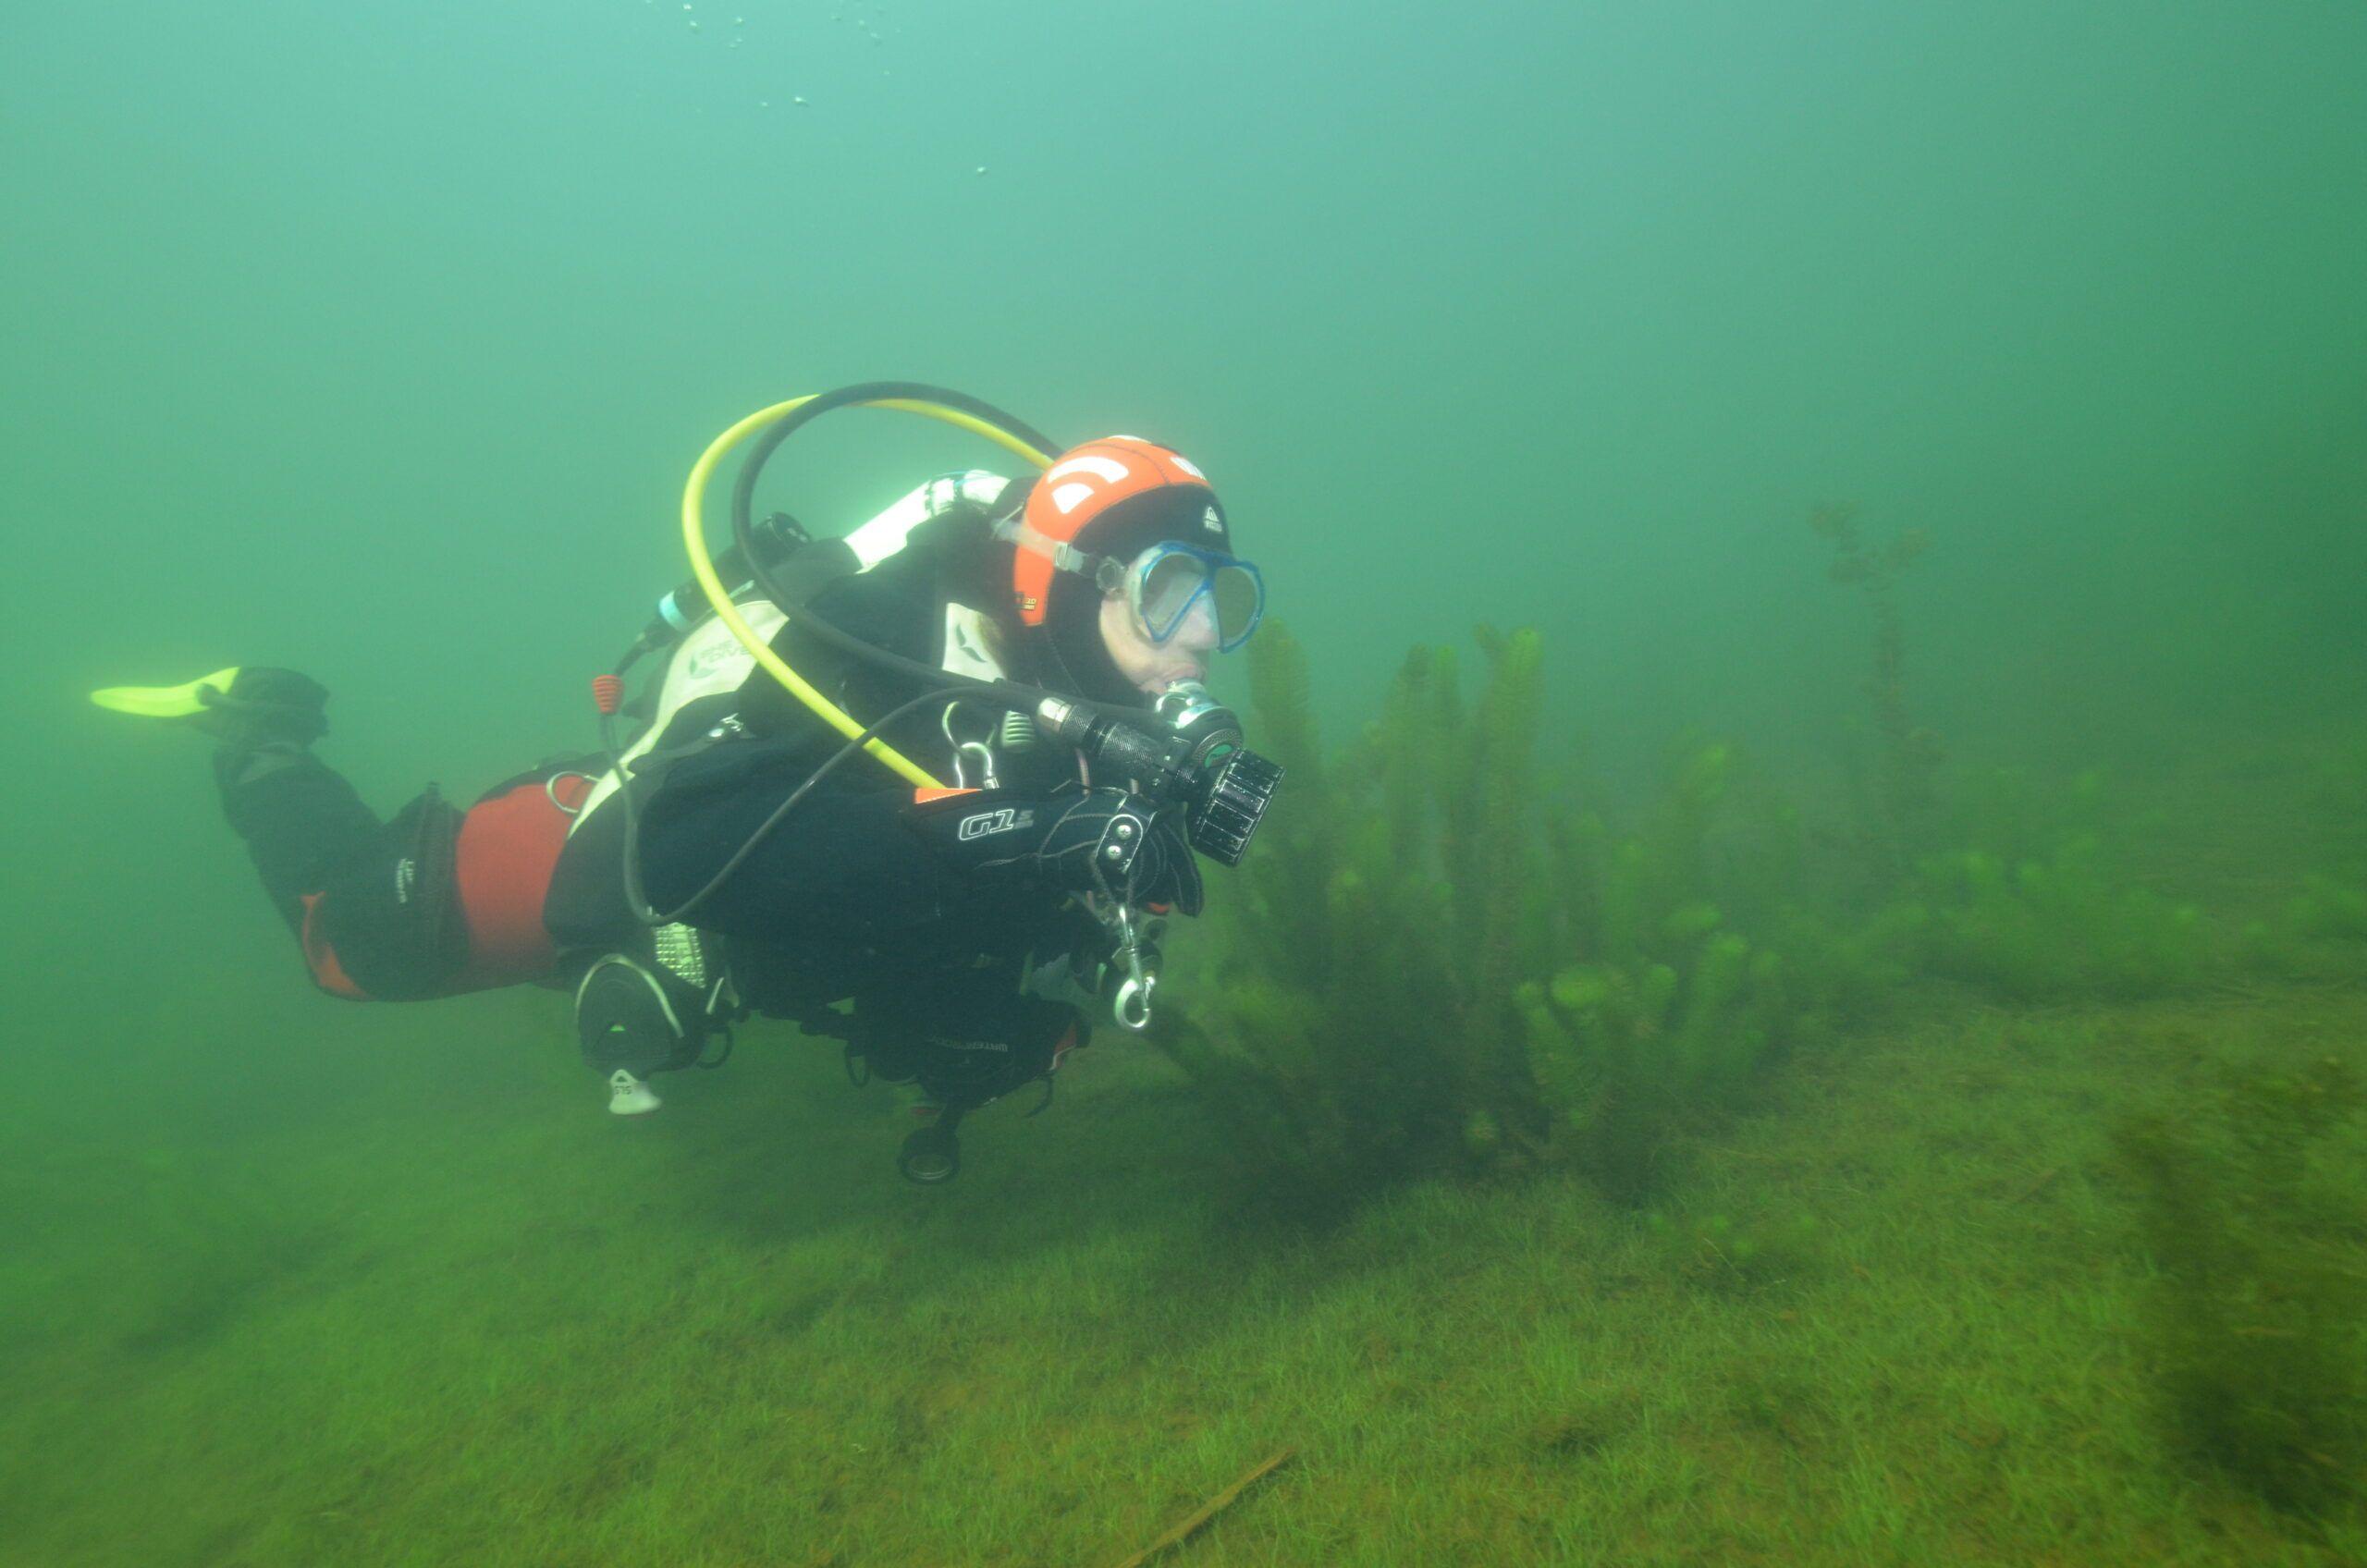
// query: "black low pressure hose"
[[935, 684], [1009, 694], [637, 897]]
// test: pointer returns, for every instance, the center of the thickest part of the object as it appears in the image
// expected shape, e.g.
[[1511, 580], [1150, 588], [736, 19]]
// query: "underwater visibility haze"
[[1800, 999]]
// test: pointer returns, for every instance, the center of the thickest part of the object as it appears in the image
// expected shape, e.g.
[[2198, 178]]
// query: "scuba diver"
[[1026, 658]]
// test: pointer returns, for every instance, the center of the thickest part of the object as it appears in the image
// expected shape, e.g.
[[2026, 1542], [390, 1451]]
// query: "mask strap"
[[1060, 552]]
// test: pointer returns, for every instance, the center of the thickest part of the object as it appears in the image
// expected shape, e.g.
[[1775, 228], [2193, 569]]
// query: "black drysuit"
[[847, 898]]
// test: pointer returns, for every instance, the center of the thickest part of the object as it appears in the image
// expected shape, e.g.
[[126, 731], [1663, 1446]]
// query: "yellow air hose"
[[719, 597]]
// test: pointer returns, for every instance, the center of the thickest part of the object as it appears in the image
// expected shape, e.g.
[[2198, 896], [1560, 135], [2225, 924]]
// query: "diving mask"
[[1170, 584]]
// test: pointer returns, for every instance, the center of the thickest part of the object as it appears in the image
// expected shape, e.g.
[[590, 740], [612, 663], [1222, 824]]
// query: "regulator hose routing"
[[1224, 796], [873, 393], [777, 422], [1224, 787]]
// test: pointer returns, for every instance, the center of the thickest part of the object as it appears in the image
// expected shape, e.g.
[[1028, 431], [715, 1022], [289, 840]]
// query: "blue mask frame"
[[1212, 566]]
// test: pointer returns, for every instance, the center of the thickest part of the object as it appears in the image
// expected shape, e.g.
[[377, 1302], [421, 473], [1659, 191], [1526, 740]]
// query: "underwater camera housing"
[[1197, 761]]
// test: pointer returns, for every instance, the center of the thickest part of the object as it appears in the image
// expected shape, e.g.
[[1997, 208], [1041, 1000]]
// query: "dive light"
[[1198, 763]]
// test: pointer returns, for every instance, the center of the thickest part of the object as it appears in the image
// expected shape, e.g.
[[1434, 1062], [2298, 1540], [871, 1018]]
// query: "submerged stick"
[[1214, 1506]]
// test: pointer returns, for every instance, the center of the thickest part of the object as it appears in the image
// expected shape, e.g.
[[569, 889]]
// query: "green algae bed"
[[458, 1315]]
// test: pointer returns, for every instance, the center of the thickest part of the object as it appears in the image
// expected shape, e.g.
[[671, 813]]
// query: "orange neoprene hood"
[[1079, 488]]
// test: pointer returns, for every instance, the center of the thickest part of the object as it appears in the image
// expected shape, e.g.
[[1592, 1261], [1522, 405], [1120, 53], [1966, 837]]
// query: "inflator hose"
[[1009, 694], [703, 565], [636, 895], [778, 424]]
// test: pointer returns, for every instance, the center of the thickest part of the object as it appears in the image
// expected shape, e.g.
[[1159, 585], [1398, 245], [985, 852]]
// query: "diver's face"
[[1151, 668]]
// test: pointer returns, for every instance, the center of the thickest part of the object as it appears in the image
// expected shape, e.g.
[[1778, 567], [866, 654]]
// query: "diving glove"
[[1103, 842]]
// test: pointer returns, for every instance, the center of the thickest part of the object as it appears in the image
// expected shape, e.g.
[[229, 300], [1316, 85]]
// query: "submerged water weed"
[[1998, 881], [1435, 971], [2033, 907], [2318, 931], [2332, 902], [1698, 966], [2328, 907], [2055, 927], [2250, 1203], [1363, 1027], [1439, 967], [1909, 755]]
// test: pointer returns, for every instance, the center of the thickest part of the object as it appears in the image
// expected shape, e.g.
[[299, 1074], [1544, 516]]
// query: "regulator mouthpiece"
[[1193, 758], [1226, 786]]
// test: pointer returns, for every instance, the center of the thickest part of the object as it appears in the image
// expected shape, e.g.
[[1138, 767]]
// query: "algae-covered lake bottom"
[[453, 1313]]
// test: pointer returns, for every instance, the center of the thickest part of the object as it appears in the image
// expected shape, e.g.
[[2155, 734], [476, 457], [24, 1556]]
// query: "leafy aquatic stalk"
[[1385, 1009], [1910, 755]]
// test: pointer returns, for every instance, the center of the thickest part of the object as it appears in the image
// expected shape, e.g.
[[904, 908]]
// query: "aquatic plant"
[[1998, 881], [2250, 1210], [2318, 930], [1689, 962], [1435, 968], [2328, 906], [1361, 1027], [1441, 964], [1908, 755], [2332, 901], [2035, 903], [2055, 927]]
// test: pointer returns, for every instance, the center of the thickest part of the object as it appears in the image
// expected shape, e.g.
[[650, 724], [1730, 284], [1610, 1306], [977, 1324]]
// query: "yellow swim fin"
[[166, 701]]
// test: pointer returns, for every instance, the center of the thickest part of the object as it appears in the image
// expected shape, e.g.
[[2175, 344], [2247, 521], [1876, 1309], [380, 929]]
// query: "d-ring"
[[550, 789], [1131, 1006]]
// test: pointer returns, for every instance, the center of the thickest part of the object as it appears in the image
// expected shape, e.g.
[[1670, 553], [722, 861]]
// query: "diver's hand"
[[1166, 873], [1103, 842]]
